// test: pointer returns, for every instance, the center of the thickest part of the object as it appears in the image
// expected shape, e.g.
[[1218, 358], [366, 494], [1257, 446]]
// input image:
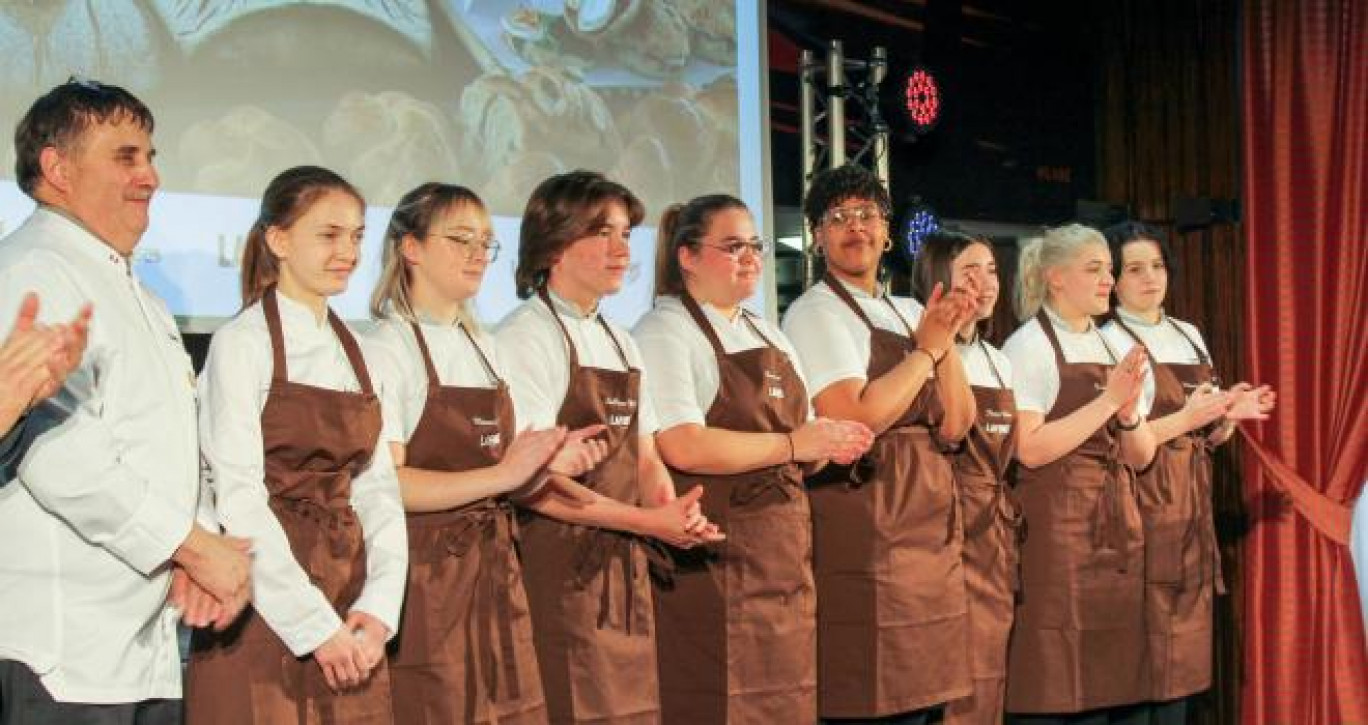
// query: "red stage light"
[[922, 99]]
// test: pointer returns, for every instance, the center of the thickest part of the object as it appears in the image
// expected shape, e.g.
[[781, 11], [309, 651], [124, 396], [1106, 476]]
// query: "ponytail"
[[1055, 248], [669, 278], [1030, 283], [685, 225]]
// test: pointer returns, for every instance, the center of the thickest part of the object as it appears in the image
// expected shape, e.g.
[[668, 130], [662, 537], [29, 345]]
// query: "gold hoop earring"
[[888, 244], [818, 251]]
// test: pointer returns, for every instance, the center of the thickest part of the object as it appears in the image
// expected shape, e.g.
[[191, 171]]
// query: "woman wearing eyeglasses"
[[892, 639], [738, 617], [1191, 415], [464, 652]]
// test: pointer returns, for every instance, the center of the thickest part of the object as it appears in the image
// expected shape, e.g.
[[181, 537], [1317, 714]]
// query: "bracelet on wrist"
[[935, 361], [1136, 424], [792, 454]]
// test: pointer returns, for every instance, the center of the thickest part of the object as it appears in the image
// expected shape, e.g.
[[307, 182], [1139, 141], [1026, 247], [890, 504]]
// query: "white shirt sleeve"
[[536, 367], [232, 392], [1035, 374], [376, 500], [390, 376], [673, 387], [647, 420], [72, 467], [828, 344]]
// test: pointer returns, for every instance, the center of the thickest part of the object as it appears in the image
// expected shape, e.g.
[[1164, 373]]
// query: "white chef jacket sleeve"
[[536, 366], [71, 463], [375, 498]]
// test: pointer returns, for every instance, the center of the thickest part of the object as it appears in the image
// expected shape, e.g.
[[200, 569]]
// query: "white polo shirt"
[[401, 379], [983, 364], [1035, 373], [683, 364], [233, 390], [1165, 343], [532, 350], [106, 495], [832, 342]]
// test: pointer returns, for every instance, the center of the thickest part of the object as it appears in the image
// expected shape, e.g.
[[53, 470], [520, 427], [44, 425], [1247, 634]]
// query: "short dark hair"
[[562, 209], [58, 119], [1119, 235], [831, 187], [935, 261]]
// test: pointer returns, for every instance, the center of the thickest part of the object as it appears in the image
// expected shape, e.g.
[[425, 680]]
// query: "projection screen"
[[665, 96]]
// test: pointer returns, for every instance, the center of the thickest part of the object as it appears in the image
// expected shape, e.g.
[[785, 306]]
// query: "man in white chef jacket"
[[101, 516], [34, 361]]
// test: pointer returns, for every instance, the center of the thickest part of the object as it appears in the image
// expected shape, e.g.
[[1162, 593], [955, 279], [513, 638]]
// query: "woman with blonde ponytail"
[[734, 419], [290, 432], [1078, 648]]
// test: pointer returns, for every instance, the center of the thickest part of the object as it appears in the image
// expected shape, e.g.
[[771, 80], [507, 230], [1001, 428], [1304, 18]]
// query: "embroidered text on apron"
[[738, 623]]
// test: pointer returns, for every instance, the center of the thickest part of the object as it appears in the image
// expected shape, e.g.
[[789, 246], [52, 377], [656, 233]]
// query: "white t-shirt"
[[832, 342], [401, 379], [983, 368], [534, 355], [684, 374], [234, 386], [1165, 344], [1035, 374]]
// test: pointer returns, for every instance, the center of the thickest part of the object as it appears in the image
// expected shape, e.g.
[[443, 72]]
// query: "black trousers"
[[916, 717], [1172, 712], [24, 701]]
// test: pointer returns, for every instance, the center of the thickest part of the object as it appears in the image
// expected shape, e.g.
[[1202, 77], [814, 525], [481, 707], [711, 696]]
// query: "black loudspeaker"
[[1201, 212]]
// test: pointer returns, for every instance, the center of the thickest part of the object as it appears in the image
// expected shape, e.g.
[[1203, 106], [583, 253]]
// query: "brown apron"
[[316, 441], [464, 651], [588, 587], [737, 623], [892, 623], [1079, 639], [1182, 560], [992, 537]]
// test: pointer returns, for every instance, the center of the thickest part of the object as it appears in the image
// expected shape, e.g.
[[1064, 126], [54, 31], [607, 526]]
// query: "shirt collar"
[[83, 240], [569, 309], [1133, 319], [1063, 326], [299, 315], [880, 289]]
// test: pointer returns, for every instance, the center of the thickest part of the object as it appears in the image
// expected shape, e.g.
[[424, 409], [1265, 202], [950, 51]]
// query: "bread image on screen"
[[242, 151], [44, 42], [388, 143]]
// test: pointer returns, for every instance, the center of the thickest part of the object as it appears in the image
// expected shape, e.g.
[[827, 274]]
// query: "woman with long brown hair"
[[585, 541], [290, 432], [992, 521], [739, 616]]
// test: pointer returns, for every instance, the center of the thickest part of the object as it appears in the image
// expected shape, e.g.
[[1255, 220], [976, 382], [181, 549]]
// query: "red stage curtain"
[[1305, 79]]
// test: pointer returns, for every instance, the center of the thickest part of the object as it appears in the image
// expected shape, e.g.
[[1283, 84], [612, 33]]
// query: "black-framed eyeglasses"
[[846, 216], [474, 244], [734, 247]]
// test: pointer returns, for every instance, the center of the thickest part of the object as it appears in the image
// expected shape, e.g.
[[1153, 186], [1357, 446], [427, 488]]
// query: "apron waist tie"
[[598, 550]]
